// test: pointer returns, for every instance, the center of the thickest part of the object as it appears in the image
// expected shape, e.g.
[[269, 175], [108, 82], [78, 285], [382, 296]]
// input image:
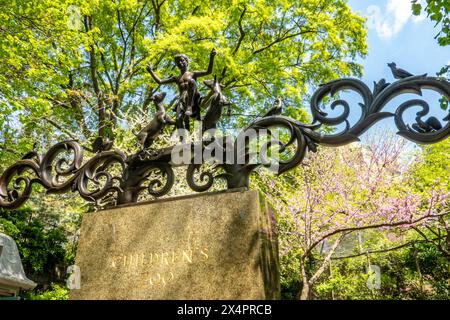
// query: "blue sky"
[[395, 35]]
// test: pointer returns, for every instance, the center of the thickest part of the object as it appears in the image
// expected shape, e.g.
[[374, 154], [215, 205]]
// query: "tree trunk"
[[95, 84], [305, 293]]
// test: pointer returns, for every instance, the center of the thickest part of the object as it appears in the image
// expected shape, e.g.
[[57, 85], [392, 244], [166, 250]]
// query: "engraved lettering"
[[158, 275], [164, 257], [204, 254], [150, 280], [113, 261], [130, 261], [187, 256], [142, 259], [160, 263]]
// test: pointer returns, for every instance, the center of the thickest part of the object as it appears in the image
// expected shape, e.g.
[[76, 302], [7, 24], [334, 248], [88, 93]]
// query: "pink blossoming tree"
[[341, 191]]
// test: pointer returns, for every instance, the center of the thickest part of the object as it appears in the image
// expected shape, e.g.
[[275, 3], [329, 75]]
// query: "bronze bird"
[[379, 86], [100, 145], [399, 73], [276, 109], [429, 125]]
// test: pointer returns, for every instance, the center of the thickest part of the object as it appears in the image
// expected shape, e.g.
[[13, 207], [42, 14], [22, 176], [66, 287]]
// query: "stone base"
[[207, 246]]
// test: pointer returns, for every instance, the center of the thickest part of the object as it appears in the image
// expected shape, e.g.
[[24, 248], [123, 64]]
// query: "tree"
[[428, 174], [46, 232], [43, 245], [414, 261], [439, 12], [411, 270], [339, 192], [80, 80]]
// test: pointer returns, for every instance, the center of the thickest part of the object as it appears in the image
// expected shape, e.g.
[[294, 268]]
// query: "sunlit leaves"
[[265, 49], [439, 12]]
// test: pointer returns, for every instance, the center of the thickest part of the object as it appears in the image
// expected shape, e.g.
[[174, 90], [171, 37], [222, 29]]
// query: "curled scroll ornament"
[[57, 174], [152, 172]]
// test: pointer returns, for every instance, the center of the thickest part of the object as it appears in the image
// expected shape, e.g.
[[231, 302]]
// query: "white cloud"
[[391, 21], [417, 19]]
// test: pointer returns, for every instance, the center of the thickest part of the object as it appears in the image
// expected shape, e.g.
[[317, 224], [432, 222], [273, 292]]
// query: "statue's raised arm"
[[188, 102], [157, 79], [198, 74]]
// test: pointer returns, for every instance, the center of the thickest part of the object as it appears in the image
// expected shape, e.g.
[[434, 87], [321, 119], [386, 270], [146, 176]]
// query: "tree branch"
[[319, 272], [421, 233], [103, 60], [241, 31], [60, 128], [281, 39], [9, 150], [95, 84], [375, 226], [375, 251]]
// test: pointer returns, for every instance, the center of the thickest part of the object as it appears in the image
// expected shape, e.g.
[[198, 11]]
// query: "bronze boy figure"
[[189, 99]]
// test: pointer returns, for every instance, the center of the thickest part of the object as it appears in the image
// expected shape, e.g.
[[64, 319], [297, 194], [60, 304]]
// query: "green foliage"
[[439, 12], [68, 77], [46, 237], [417, 271], [345, 172], [60, 80], [346, 282], [432, 168], [56, 292], [430, 173], [42, 243], [290, 275], [400, 276]]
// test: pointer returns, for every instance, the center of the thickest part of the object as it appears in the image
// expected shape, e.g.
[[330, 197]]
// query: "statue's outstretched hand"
[[213, 52]]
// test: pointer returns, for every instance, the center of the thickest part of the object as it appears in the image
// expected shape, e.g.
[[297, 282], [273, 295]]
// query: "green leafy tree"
[[82, 73], [42, 242], [439, 12], [430, 173], [57, 292], [413, 270]]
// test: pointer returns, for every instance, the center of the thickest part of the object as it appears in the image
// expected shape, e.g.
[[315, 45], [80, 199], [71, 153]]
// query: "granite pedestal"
[[206, 246]]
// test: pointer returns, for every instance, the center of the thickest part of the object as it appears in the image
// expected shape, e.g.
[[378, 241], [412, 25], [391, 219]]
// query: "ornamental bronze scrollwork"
[[112, 178]]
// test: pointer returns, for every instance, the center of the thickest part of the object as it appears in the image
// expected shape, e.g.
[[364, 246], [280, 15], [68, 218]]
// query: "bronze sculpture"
[[215, 102], [95, 181], [189, 99], [151, 131], [399, 73]]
